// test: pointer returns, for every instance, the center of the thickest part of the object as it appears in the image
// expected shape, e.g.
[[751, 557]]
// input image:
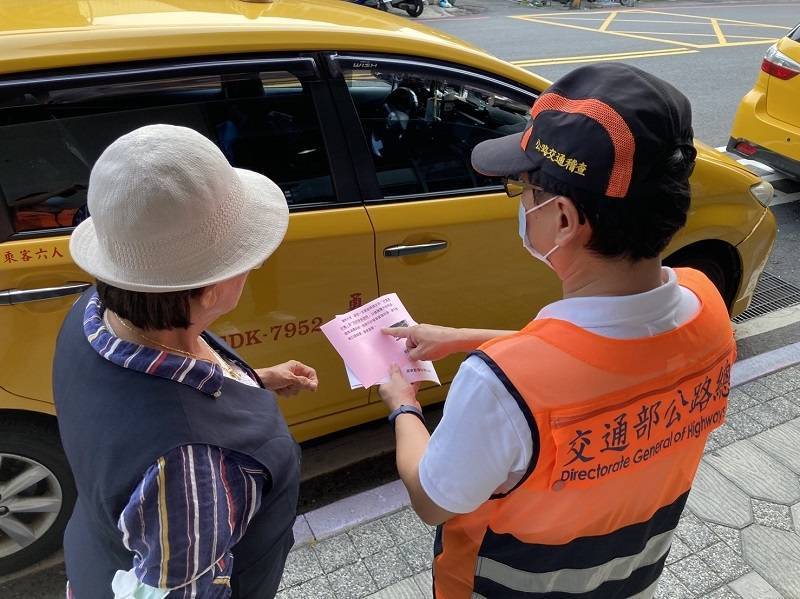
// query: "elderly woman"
[[187, 474]]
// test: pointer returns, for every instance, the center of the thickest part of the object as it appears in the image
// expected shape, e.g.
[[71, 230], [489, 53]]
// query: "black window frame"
[[306, 67], [451, 72]]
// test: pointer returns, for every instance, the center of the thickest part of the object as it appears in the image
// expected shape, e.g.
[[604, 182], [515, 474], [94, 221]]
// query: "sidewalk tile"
[[744, 426], [731, 536], [335, 552], [739, 401], [720, 437], [765, 415], [405, 525], [418, 553], [371, 538], [669, 587], [756, 473], [782, 443], [722, 593], [724, 562], [387, 567], [352, 582], [796, 517], [424, 581], [677, 551], [775, 555], [316, 588], [780, 382], [694, 533], [716, 499], [301, 565], [695, 575], [773, 515], [774, 412], [752, 586], [405, 589], [783, 380], [758, 391]]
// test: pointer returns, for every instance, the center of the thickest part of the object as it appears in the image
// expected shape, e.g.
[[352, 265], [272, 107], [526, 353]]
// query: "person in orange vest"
[[567, 449]]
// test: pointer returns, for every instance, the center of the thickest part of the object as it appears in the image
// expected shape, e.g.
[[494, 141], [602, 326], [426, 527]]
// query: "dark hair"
[[149, 311], [642, 224]]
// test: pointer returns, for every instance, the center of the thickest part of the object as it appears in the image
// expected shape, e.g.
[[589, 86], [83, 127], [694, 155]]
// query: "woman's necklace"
[[218, 359]]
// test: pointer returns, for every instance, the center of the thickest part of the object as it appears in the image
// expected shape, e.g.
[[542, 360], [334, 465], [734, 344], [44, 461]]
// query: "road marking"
[[678, 33], [715, 25], [720, 37], [768, 322], [543, 62], [608, 20], [732, 21]]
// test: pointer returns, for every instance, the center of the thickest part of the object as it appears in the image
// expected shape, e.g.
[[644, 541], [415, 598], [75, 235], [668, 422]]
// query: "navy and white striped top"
[[194, 503]]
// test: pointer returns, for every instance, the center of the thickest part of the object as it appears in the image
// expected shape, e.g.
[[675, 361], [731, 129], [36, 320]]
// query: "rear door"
[[446, 237], [271, 116]]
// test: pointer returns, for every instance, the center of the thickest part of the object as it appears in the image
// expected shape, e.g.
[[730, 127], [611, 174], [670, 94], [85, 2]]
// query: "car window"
[[49, 141], [794, 34], [421, 129]]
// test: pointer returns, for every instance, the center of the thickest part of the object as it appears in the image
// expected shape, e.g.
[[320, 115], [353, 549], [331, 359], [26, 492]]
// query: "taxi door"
[[265, 117], [446, 238]]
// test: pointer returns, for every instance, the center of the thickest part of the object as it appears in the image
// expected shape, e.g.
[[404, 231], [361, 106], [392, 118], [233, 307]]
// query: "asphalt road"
[[677, 41]]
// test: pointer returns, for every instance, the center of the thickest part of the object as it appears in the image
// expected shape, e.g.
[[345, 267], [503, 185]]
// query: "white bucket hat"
[[168, 213]]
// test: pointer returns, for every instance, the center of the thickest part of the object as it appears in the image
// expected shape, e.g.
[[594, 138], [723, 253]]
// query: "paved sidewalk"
[[739, 537]]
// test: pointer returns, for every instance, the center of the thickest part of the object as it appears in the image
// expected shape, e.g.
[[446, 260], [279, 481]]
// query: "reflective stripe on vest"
[[620, 427]]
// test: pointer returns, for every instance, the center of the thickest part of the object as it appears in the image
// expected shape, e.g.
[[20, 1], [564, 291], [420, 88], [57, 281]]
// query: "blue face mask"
[[523, 233]]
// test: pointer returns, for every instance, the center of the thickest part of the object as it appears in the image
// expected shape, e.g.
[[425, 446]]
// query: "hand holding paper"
[[368, 354]]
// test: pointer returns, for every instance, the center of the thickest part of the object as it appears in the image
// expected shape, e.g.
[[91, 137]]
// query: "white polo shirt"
[[483, 444]]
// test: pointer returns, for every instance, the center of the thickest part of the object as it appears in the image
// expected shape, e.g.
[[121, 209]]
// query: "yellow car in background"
[[372, 149], [767, 124]]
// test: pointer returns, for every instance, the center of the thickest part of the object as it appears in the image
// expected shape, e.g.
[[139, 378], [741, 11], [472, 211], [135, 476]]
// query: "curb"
[[348, 513]]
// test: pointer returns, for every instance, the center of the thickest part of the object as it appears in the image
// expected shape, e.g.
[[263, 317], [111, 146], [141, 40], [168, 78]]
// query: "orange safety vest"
[[618, 429]]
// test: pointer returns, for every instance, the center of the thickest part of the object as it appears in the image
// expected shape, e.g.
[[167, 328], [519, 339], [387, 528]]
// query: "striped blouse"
[[194, 503]]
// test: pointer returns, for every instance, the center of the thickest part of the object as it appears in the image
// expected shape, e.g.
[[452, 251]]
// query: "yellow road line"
[[669, 33], [621, 34], [657, 21], [752, 43], [750, 37], [677, 14], [600, 58], [720, 36], [649, 38], [610, 54], [607, 22]]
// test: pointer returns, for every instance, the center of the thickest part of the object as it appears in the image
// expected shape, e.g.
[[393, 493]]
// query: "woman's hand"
[[397, 391], [427, 341], [289, 378]]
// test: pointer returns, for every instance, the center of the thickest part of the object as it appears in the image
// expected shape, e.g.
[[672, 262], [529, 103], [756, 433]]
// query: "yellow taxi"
[[365, 120], [767, 124]]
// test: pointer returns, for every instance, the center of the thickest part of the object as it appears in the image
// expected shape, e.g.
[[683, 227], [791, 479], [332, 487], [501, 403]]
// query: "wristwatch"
[[406, 410]]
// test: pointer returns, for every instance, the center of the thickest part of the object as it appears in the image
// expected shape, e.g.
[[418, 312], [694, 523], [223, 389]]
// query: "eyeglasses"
[[515, 187]]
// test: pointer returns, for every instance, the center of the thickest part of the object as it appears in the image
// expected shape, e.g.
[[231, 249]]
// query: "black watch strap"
[[404, 409]]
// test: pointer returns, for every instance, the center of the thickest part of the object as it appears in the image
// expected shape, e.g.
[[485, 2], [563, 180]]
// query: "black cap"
[[601, 128]]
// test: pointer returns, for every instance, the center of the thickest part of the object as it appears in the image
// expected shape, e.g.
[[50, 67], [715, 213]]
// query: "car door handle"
[[395, 251], [10, 297]]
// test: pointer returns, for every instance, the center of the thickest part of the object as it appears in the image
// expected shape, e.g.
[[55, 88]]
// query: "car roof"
[[54, 34]]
